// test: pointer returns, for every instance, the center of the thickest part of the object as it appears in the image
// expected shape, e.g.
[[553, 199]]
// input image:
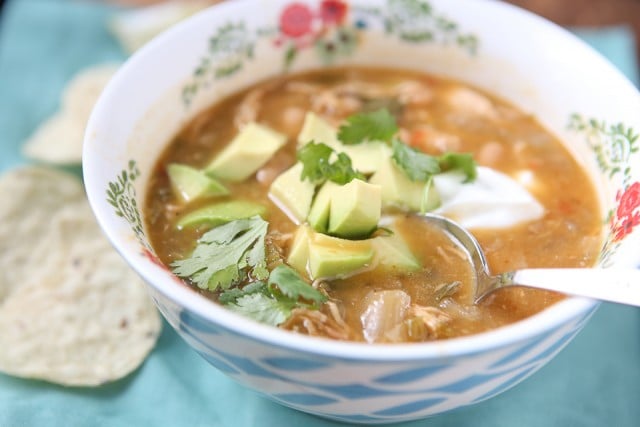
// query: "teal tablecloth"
[[595, 381]]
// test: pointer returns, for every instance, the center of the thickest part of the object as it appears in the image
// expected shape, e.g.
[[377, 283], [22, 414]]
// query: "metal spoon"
[[615, 285]]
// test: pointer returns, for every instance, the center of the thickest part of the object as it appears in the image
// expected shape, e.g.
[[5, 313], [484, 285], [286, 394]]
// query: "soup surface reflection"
[[374, 303]]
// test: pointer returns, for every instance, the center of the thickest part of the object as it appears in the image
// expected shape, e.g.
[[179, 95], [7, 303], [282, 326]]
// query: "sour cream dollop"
[[493, 200]]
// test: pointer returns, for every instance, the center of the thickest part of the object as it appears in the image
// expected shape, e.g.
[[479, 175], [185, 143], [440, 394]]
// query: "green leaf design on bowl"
[[121, 194], [333, 30]]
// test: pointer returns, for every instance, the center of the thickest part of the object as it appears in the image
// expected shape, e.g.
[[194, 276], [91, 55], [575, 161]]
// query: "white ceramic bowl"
[[518, 56]]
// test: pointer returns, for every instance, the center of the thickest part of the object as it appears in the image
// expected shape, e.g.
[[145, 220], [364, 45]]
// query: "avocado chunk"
[[317, 129], [365, 158], [292, 194], [355, 209], [368, 156], [398, 190], [189, 183], [331, 257], [298, 256], [247, 152], [392, 252], [318, 217], [221, 213]]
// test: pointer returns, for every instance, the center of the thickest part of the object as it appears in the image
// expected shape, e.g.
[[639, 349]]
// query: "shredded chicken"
[[433, 141], [292, 119], [330, 104], [432, 317], [361, 90], [319, 323], [412, 92], [468, 101], [249, 108], [348, 98], [491, 153]]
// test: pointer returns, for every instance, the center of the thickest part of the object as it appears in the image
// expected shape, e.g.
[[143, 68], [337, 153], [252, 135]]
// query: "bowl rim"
[[544, 322]]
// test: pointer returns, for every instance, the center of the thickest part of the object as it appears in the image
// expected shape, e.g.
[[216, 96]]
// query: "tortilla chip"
[[59, 139], [71, 311], [134, 28]]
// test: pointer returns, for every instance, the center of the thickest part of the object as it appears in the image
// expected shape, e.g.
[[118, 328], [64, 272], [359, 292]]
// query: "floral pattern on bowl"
[[613, 146], [332, 30]]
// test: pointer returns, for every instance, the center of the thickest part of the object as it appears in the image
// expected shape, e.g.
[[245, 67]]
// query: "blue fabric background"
[[595, 381]]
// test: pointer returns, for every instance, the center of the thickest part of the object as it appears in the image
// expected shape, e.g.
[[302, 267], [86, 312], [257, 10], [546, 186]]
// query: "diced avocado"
[[298, 256], [189, 183], [398, 190], [247, 152], [368, 156], [355, 209], [392, 252], [316, 129], [365, 157], [292, 194], [221, 213], [318, 217], [334, 257]]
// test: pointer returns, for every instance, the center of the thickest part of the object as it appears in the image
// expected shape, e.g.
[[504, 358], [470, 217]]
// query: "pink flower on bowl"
[[333, 12], [628, 212], [296, 20]]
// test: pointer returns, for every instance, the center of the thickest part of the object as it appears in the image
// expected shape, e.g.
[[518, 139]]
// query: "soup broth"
[[434, 116]]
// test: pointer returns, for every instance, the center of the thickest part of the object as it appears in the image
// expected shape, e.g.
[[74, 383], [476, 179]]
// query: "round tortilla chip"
[[85, 88], [59, 139], [71, 311], [133, 28]]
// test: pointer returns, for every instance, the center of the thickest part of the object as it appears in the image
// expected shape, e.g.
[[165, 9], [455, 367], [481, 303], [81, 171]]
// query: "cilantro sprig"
[[289, 284], [234, 253], [420, 167], [321, 163], [415, 164], [273, 302], [227, 255], [378, 125], [459, 161]]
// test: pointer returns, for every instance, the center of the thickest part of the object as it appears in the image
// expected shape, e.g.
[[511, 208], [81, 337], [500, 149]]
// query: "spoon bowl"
[[606, 284]]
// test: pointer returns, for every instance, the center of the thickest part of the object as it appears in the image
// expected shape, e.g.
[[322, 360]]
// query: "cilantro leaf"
[[342, 171], [225, 255], [460, 161], [417, 165], [263, 308], [315, 161], [318, 167], [420, 167], [378, 125], [231, 295], [272, 302], [291, 285]]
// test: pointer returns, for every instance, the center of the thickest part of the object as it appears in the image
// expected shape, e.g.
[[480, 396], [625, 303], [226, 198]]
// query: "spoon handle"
[[615, 285]]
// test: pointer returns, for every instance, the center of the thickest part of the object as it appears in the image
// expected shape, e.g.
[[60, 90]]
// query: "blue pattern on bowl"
[[409, 375], [400, 391]]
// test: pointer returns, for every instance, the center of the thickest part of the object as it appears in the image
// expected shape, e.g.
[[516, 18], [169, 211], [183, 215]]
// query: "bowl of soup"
[[264, 165]]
